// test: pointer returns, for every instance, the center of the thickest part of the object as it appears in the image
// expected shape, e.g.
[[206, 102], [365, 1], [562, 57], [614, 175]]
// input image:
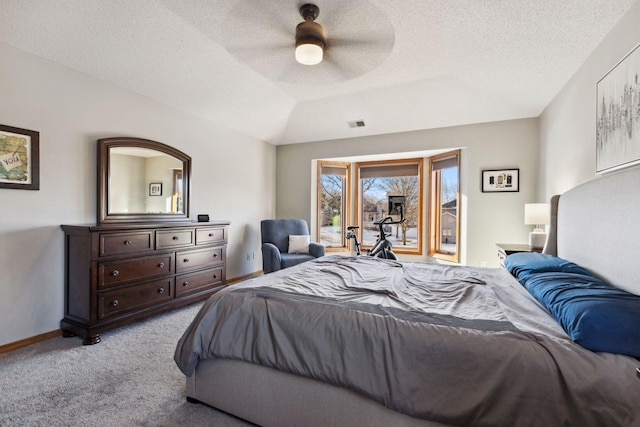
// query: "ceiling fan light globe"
[[309, 53]]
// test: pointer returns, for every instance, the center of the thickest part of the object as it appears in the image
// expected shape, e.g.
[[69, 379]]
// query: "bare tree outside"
[[449, 210], [375, 193], [449, 189], [332, 193], [406, 186], [331, 197]]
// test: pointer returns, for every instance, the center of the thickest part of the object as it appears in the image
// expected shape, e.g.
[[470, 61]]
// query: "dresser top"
[[142, 226]]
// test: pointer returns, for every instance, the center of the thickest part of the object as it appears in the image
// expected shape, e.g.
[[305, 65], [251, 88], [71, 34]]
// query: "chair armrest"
[[271, 260], [316, 249]]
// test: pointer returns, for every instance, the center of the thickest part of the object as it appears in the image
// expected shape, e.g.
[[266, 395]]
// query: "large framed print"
[[500, 180], [19, 158], [618, 115]]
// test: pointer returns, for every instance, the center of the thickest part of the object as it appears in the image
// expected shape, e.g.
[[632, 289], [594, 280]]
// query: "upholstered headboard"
[[597, 225]]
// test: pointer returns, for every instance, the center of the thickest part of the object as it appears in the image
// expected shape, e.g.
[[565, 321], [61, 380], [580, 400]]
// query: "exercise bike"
[[382, 246]]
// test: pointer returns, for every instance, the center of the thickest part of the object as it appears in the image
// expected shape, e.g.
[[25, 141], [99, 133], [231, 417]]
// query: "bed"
[[360, 341]]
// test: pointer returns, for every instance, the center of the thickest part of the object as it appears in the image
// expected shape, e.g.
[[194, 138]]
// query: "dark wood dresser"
[[117, 274]]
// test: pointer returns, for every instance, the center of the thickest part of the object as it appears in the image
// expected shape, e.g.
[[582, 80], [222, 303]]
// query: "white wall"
[[233, 178], [159, 169], [491, 217], [127, 175], [568, 124]]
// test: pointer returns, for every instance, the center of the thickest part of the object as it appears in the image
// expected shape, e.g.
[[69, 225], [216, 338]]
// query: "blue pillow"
[[522, 264], [595, 314]]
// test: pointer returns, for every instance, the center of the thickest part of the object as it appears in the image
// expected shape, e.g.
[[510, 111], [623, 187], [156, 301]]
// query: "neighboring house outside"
[[449, 213]]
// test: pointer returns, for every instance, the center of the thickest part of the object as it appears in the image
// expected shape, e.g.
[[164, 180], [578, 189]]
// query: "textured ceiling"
[[399, 65]]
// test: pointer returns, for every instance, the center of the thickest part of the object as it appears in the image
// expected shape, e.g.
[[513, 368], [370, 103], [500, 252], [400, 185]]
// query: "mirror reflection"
[[140, 180], [145, 181]]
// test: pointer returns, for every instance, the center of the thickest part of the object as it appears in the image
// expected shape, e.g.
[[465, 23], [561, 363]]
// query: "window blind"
[[386, 171]]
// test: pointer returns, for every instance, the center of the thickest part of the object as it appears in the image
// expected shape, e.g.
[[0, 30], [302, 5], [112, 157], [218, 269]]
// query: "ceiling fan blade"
[[345, 70], [264, 22], [359, 37], [381, 43], [266, 48], [266, 61]]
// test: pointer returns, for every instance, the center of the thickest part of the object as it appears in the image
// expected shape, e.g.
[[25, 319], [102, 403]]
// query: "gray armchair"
[[275, 244]]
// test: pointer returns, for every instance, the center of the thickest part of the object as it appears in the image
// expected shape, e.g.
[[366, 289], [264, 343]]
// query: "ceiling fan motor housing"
[[309, 32]]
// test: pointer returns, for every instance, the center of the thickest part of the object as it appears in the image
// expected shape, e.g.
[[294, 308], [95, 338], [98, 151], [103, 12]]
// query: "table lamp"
[[537, 214]]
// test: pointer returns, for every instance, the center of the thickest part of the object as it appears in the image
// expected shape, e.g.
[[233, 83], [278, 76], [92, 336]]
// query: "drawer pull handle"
[[185, 284], [215, 276], [161, 265], [115, 273], [127, 242], [185, 260], [211, 234], [115, 303], [215, 255], [175, 237], [161, 291]]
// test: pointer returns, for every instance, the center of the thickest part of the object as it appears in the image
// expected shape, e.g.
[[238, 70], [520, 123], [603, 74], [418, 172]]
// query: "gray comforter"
[[456, 345]]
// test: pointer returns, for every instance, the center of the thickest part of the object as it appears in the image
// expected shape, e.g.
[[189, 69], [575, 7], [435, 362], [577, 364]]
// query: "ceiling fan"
[[310, 39], [346, 41]]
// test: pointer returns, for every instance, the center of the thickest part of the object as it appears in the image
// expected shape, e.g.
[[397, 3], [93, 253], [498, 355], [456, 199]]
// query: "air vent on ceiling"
[[356, 124]]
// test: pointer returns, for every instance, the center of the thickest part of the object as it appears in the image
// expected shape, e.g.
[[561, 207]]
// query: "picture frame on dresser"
[[19, 158], [500, 180]]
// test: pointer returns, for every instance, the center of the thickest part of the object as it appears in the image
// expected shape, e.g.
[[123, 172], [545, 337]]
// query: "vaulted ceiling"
[[397, 65]]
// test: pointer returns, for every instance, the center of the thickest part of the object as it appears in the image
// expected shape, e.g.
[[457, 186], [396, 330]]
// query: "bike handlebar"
[[390, 221]]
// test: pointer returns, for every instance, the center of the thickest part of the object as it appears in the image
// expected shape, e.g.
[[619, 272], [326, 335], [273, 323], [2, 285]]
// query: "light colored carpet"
[[129, 379]]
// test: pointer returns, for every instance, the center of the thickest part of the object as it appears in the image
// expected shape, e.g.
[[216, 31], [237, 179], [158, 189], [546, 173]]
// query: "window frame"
[[435, 214], [346, 202], [358, 203]]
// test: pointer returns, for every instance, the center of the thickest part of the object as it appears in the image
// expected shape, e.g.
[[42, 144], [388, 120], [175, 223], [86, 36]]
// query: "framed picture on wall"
[[500, 180], [618, 115], [155, 189], [19, 158]]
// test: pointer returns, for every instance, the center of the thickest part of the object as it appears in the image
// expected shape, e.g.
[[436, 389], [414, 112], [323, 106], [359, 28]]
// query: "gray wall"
[[490, 217], [568, 124], [233, 178]]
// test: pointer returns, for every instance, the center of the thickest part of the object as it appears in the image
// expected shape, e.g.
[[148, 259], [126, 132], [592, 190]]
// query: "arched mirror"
[[142, 181]]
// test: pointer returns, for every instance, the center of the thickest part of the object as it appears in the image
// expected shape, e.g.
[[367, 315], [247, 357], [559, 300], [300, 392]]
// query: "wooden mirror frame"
[[104, 149]]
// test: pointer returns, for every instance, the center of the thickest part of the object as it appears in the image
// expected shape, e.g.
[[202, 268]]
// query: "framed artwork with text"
[[19, 158]]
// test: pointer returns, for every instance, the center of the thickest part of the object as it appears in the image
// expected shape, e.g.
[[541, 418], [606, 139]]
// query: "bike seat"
[[352, 227]]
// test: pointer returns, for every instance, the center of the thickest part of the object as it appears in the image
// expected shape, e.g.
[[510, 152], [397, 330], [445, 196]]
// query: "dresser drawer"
[[121, 301], [125, 243], [209, 235], [192, 260], [166, 239], [195, 282], [113, 272]]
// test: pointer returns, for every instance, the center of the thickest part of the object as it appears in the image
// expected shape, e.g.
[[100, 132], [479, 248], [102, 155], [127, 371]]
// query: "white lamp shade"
[[309, 54], [536, 213]]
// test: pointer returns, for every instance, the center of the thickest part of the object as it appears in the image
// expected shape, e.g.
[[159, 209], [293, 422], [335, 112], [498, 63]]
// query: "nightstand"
[[505, 249]]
